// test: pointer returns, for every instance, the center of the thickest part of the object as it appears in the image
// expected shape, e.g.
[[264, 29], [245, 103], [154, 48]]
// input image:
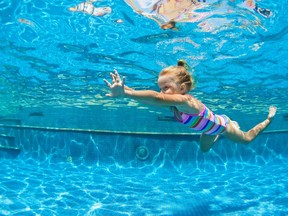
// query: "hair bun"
[[182, 63]]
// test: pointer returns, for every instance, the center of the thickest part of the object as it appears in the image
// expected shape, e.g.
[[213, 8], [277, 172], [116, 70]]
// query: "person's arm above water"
[[118, 89]]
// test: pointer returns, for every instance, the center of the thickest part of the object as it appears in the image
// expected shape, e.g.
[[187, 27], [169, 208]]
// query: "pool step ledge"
[[7, 147], [9, 152]]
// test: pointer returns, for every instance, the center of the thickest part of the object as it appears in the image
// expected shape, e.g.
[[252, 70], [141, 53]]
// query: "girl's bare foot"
[[272, 112]]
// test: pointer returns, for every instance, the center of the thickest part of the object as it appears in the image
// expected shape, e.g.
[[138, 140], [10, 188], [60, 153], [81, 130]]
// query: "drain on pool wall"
[[142, 153]]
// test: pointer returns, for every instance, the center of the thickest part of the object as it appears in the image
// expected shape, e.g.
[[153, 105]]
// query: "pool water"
[[64, 189], [67, 149], [79, 173]]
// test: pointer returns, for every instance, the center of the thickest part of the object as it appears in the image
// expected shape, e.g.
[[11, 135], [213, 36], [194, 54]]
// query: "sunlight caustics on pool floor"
[[71, 172]]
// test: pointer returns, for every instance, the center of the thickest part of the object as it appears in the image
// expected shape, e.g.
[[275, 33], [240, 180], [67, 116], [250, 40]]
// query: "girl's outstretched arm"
[[118, 89]]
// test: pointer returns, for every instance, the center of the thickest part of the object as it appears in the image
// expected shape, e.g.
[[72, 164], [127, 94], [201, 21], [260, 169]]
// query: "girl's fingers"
[[117, 76], [116, 72], [107, 83], [113, 77]]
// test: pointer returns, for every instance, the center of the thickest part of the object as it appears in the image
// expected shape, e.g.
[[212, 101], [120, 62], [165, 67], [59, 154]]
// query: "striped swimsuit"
[[205, 122]]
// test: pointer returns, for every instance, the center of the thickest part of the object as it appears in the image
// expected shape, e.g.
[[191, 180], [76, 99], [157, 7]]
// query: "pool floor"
[[29, 187]]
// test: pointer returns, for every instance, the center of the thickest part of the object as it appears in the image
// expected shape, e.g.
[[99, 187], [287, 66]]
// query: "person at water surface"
[[175, 83], [169, 12], [89, 8]]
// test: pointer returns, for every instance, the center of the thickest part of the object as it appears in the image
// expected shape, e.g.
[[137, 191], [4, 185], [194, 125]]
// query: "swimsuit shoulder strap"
[[177, 114]]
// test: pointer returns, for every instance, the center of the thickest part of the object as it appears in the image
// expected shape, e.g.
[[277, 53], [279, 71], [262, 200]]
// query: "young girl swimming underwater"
[[175, 82]]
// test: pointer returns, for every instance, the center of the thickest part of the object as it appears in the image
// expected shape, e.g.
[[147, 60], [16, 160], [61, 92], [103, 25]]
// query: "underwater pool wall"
[[52, 144]]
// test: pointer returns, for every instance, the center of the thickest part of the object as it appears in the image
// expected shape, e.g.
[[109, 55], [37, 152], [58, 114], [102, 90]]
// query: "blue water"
[[79, 173], [65, 148]]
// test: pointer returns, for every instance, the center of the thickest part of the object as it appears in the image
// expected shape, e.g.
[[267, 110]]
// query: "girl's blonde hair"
[[181, 73]]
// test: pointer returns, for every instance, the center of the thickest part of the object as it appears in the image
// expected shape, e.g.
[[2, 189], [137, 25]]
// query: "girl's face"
[[169, 85]]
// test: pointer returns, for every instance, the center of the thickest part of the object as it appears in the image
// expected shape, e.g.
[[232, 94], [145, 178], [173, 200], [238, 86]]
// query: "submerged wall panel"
[[52, 144]]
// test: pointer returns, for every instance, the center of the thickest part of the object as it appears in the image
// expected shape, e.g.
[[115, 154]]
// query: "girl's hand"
[[117, 87]]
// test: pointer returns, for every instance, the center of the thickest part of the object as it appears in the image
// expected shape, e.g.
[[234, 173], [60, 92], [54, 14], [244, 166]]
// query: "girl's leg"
[[236, 135], [207, 141]]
